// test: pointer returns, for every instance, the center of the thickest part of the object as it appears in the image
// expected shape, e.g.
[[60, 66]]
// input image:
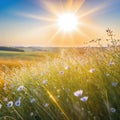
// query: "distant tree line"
[[11, 49]]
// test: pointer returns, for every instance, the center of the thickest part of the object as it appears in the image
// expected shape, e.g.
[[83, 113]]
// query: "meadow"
[[64, 85]]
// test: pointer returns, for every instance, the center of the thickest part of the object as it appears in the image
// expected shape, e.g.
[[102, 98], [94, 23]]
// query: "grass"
[[31, 56], [51, 90], [10, 60]]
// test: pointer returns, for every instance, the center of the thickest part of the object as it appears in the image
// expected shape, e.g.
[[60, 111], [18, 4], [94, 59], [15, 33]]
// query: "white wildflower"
[[67, 67], [10, 104], [107, 75], [0, 106], [113, 110], [78, 93], [32, 100], [92, 70], [31, 114], [61, 72], [84, 99], [45, 82], [46, 105], [111, 63], [20, 88], [18, 103], [114, 84]]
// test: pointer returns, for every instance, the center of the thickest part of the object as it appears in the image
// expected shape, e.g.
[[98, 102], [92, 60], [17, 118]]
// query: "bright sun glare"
[[67, 22]]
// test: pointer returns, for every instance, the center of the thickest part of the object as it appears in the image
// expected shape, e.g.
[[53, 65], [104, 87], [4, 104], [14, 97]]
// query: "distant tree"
[[11, 49]]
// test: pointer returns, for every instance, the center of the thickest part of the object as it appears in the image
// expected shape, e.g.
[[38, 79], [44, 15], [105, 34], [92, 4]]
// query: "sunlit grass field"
[[64, 85]]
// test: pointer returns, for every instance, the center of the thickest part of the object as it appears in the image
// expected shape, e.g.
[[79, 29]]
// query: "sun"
[[67, 22]]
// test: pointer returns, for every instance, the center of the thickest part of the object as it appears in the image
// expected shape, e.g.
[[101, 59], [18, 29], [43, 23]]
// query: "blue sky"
[[11, 22]]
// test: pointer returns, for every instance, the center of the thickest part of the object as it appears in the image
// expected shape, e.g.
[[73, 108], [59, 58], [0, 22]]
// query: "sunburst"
[[64, 19], [67, 22]]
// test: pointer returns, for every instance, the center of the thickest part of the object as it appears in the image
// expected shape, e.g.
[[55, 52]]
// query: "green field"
[[25, 55], [64, 85]]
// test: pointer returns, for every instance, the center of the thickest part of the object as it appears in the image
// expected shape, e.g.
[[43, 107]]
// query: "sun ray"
[[62, 5], [63, 38], [37, 17], [69, 4], [72, 41], [82, 34], [53, 37], [94, 10], [66, 41], [78, 6], [53, 9], [57, 104], [75, 5]]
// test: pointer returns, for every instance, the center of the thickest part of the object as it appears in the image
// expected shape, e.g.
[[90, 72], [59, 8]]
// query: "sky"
[[33, 22]]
